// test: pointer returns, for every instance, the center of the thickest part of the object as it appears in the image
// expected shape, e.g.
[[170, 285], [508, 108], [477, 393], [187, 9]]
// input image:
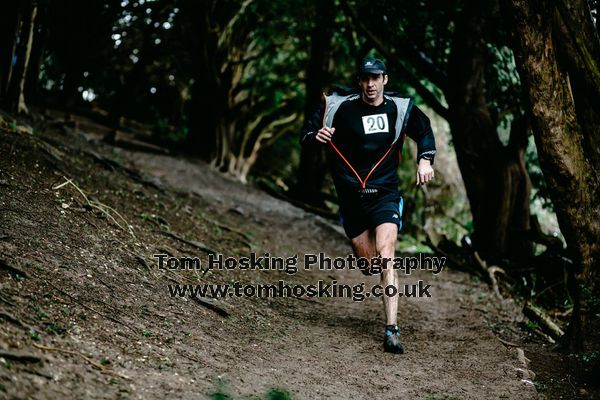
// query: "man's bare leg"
[[385, 240], [382, 241], [364, 245]]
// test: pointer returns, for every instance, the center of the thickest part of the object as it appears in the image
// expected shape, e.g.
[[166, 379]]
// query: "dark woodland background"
[[512, 88]]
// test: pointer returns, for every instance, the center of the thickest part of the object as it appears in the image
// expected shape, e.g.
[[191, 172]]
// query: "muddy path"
[[82, 292]]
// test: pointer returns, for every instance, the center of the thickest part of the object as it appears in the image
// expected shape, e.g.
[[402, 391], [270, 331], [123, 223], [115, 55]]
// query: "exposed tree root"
[[490, 273], [527, 376], [22, 357], [10, 318], [544, 321], [76, 301], [211, 306], [96, 365], [13, 270], [507, 343], [194, 243]]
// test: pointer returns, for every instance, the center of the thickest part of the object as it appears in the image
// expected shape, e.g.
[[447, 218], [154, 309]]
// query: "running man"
[[363, 131]]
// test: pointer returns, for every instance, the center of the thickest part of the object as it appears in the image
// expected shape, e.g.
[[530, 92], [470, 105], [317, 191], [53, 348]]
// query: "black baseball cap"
[[371, 65]]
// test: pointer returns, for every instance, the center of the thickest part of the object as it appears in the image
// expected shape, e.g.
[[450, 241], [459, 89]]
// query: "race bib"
[[377, 123]]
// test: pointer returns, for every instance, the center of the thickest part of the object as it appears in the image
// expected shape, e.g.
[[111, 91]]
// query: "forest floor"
[[86, 312]]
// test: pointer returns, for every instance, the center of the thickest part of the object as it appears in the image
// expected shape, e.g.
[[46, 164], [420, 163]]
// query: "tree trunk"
[[311, 172], [228, 121], [563, 148], [32, 89], [495, 177], [258, 135], [16, 96], [208, 102], [578, 53], [29, 30], [598, 18], [10, 25]]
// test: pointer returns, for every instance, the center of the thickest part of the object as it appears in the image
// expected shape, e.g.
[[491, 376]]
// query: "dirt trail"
[[92, 288]]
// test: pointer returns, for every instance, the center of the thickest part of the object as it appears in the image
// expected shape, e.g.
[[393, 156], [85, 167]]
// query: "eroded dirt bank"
[[85, 294]]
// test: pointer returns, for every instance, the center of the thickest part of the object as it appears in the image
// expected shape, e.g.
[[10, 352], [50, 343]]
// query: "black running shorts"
[[358, 214]]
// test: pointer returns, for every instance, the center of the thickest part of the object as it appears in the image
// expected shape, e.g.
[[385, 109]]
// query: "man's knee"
[[386, 248], [386, 239]]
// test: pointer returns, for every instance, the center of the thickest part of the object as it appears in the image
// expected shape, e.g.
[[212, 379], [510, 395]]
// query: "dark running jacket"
[[367, 143]]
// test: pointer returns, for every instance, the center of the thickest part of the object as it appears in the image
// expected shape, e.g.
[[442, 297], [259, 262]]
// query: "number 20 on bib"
[[377, 123]]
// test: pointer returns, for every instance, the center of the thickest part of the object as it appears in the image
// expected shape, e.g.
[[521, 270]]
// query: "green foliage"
[[592, 298], [154, 218], [170, 133], [441, 397], [221, 393], [586, 357], [540, 188], [279, 161], [532, 326], [540, 387], [55, 329], [278, 394], [41, 314], [34, 335], [410, 243], [503, 89], [165, 363]]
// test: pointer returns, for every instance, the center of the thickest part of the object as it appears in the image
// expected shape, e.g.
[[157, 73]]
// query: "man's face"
[[371, 86]]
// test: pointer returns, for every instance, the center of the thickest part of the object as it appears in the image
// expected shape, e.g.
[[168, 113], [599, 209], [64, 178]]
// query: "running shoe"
[[391, 340]]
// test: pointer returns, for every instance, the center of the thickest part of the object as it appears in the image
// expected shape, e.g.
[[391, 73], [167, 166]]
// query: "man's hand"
[[324, 134], [424, 171]]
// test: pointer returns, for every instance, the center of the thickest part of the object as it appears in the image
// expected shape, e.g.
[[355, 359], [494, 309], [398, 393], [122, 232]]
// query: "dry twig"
[[103, 208]]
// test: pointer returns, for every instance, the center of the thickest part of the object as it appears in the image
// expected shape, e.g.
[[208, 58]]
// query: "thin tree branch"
[[426, 64], [422, 61], [427, 96]]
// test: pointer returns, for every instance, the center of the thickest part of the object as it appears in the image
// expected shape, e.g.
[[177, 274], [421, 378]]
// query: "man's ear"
[[385, 79]]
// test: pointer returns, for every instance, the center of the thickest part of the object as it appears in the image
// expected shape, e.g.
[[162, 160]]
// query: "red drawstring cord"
[[362, 183]]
